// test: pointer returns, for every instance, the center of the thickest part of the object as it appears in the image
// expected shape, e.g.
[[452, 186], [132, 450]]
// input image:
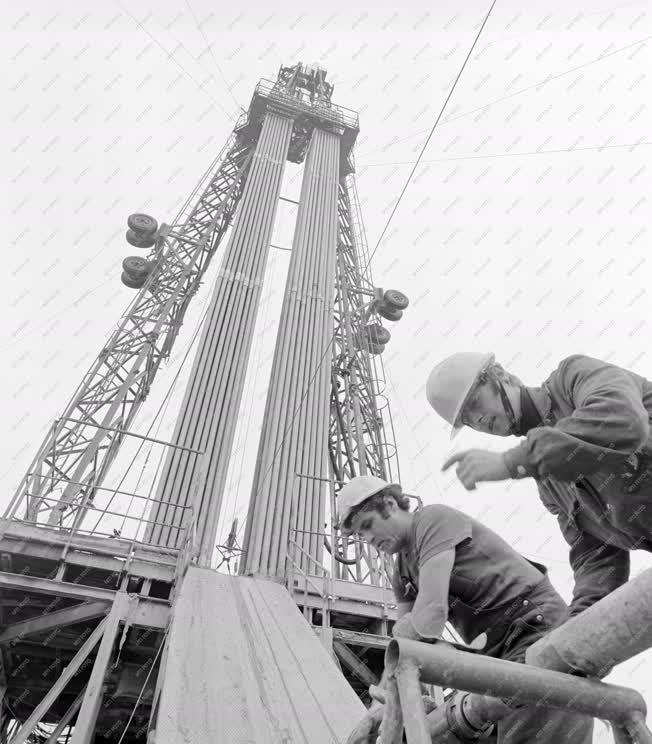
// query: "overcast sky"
[[525, 231]]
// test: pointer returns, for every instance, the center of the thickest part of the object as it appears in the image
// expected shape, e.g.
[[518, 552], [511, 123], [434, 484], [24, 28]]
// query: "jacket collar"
[[543, 403]]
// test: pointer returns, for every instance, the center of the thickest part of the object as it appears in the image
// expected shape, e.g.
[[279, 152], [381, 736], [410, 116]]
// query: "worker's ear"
[[390, 503]]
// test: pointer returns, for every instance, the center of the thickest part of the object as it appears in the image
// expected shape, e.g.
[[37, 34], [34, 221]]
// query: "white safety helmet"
[[353, 493], [451, 382]]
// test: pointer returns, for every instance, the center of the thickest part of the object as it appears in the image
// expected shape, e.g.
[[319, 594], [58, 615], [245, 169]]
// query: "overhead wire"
[[598, 148], [539, 84], [170, 56], [432, 131], [210, 49], [18, 337]]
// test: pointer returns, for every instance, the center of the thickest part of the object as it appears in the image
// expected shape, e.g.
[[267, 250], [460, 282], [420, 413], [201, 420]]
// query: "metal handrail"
[[410, 662], [611, 631], [324, 593], [338, 114]]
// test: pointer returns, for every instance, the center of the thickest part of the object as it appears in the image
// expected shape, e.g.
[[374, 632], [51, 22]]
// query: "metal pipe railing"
[[611, 631], [519, 684]]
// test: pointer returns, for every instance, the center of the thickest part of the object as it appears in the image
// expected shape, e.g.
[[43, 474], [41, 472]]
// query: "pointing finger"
[[453, 459]]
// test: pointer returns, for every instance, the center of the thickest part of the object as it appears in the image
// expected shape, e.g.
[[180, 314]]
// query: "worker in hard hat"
[[450, 567], [587, 444]]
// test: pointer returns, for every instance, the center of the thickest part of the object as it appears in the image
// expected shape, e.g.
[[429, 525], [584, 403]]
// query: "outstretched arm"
[[424, 619], [427, 618]]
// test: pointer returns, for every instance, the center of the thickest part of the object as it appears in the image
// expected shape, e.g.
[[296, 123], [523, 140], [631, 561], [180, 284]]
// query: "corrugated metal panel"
[[244, 666]]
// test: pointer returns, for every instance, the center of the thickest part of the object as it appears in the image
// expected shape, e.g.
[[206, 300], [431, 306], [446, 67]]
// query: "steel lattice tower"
[[89, 605]]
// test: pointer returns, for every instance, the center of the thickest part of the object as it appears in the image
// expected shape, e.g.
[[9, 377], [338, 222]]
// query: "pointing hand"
[[475, 466]]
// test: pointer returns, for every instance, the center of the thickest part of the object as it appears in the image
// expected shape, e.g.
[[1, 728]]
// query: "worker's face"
[[484, 411], [384, 533]]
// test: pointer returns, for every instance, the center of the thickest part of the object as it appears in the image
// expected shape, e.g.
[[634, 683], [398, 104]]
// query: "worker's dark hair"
[[378, 503]]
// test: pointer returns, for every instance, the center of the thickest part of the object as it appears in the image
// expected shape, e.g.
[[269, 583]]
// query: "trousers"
[[543, 610]]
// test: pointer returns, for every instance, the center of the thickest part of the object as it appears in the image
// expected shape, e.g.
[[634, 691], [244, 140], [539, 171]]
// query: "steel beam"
[[212, 399], [86, 720], [150, 612], [146, 570], [295, 423], [65, 720], [68, 673], [11, 529], [356, 665], [49, 620], [361, 431], [355, 638]]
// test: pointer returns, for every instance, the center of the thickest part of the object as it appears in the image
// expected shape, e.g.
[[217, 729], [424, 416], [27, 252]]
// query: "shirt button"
[[525, 603], [539, 618]]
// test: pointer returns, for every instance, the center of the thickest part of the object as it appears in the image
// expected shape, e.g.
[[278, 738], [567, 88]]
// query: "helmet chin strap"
[[514, 423]]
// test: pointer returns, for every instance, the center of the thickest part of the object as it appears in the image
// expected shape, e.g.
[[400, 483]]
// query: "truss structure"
[[74, 458], [361, 434]]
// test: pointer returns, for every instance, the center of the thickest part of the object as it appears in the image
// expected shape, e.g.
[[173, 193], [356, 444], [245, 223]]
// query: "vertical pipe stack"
[[209, 412], [294, 438]]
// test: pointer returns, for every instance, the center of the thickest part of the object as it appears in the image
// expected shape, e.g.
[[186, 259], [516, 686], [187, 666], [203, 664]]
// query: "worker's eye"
[[365, 525]]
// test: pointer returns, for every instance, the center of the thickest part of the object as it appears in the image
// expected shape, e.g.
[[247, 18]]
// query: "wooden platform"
[[243, 665]]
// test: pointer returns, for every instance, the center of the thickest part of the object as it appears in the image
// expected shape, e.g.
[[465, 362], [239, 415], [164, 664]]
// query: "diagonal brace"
[[352, 662], [67, 616], [68, 673]]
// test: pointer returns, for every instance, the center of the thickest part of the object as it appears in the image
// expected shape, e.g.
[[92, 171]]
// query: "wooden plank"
[[319, 690], [244, 666], [67, 616], [207, 679], [276, 689]]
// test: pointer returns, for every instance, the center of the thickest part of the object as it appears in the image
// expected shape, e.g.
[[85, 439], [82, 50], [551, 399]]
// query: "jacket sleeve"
[[598, 568], [609, 423]]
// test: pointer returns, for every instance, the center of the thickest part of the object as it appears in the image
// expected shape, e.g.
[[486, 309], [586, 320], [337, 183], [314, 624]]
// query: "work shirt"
[[488, 582], [592, 459]]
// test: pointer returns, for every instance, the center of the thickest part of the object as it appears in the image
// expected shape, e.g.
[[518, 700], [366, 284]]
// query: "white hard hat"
[[356, 491], [450, 383]]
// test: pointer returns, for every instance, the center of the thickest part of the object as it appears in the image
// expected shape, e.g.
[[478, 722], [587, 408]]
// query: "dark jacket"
[[593, 463]]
